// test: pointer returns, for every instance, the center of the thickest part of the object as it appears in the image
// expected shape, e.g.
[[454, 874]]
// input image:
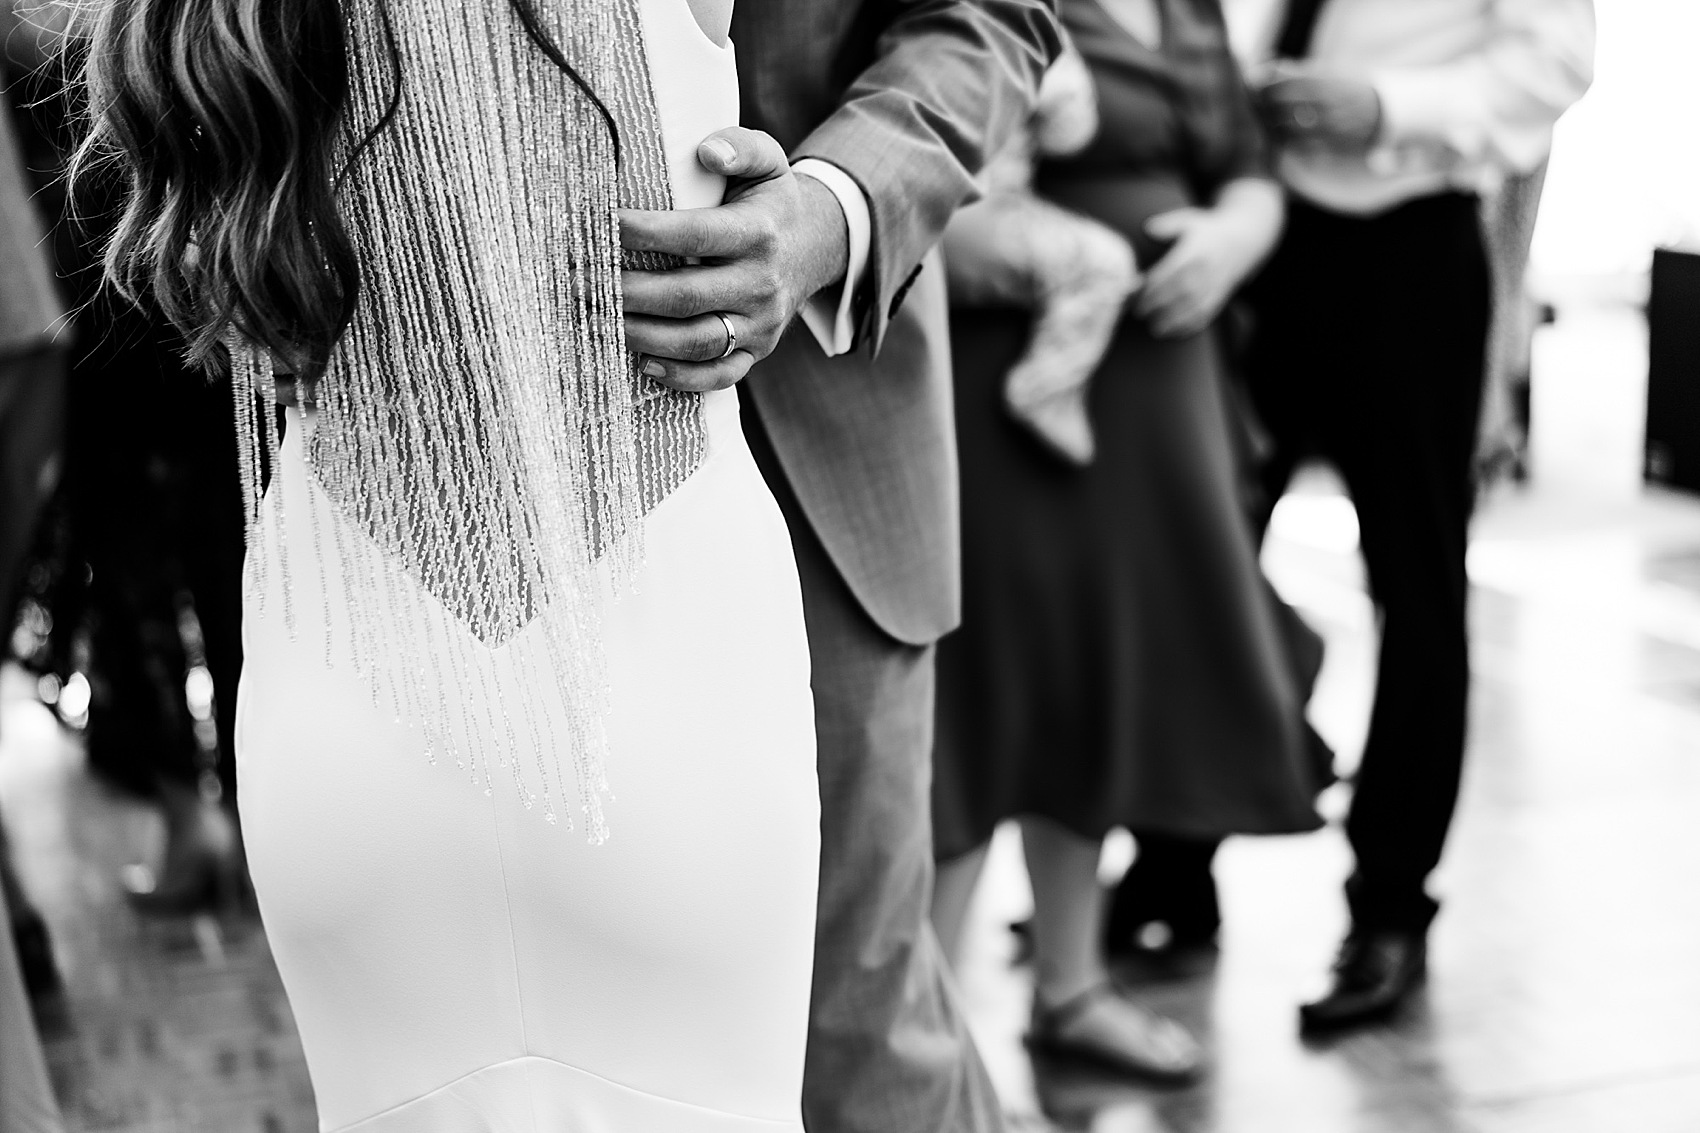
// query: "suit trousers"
[[888, 1049], [1369, 352]]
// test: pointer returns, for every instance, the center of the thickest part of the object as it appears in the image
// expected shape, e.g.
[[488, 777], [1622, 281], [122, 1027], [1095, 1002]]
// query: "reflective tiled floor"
[[1565, 995], [165, 1026]]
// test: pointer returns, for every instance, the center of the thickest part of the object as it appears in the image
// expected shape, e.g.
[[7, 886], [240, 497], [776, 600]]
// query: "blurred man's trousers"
[[889, 1049], [1369, 353]]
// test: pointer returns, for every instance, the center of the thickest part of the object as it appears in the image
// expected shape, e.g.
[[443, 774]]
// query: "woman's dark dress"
[[1120, 661]]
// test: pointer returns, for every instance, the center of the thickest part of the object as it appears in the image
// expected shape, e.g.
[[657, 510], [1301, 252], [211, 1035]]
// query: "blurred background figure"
[[31, 410], [1370, 349], [32, 355], [134, 584], [1474, 131], [1122, 662]]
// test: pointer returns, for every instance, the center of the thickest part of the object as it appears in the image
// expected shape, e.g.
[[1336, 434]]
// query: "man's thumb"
[[748, 155]]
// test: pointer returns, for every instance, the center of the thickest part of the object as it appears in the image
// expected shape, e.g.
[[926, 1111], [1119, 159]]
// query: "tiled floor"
[[166, 1026], [1565, 995]]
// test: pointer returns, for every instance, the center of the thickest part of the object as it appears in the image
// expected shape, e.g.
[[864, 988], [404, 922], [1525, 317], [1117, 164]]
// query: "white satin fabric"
[[456, 965]]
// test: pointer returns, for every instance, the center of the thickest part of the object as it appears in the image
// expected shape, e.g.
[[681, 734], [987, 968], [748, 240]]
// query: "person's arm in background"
[[1216, 249], [952, 82], [1494, 105], [32, 397], [1497, 104]]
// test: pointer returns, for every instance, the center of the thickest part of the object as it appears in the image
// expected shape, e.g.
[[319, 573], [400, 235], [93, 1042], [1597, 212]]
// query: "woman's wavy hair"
[[222, 118]]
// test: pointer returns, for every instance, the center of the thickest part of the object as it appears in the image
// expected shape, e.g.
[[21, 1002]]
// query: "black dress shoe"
[[1375, 973]]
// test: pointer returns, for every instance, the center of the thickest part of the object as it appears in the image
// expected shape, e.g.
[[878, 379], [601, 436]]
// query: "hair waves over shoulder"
[[221, 117]]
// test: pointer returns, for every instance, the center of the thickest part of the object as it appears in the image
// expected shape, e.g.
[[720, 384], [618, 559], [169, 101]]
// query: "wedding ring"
[[731, 335]]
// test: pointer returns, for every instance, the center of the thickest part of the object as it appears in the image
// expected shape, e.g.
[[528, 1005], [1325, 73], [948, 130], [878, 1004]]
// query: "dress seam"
[[513, 935], [783, 1122]]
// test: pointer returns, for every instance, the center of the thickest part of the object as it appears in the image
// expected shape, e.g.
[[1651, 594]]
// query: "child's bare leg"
[[1046, 390], [1085, 273]]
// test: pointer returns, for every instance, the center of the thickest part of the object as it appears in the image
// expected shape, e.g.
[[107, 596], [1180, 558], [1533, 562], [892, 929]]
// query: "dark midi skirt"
[[1122, 660]]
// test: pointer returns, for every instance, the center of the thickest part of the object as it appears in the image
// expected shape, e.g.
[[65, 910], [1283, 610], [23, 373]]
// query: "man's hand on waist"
[[776, 240]]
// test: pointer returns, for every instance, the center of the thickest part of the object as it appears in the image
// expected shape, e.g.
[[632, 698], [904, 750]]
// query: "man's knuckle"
[[761, 346], [709, 341], [688, 241], [767, 287], [681, 299], [762, 232]]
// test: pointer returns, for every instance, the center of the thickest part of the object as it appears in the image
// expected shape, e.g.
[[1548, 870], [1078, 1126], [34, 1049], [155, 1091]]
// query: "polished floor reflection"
[[175, 1025], [1565, 987]]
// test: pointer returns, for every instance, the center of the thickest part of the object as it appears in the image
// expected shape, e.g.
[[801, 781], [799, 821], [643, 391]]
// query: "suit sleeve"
[[950, 83]]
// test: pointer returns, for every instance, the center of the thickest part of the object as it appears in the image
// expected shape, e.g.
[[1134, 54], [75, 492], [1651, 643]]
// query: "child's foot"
[[1059, 421]]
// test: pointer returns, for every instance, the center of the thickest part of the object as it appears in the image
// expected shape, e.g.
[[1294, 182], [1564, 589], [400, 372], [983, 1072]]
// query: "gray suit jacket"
[[910, 98]]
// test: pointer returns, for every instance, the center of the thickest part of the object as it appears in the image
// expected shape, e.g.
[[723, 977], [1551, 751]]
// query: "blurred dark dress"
[[1122, 660]]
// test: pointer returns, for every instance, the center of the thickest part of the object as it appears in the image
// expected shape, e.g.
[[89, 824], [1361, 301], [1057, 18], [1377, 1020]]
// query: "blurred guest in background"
[[32, 342], [31, 408], [155, 554], [1121, 662], [147, 539], [1372, 320], [32, 362]]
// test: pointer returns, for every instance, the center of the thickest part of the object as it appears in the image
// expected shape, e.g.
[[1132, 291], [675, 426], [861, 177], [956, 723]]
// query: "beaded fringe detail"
[[481, 426]]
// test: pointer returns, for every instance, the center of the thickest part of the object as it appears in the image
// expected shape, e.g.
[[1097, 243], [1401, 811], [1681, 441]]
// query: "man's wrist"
[[829, 233], [831, 312]]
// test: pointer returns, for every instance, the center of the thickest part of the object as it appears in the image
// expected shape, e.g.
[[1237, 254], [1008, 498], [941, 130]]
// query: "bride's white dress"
[[455, 964]]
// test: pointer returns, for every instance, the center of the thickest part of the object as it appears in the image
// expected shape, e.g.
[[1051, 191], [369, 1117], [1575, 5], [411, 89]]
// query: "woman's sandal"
[[1103, 1026]]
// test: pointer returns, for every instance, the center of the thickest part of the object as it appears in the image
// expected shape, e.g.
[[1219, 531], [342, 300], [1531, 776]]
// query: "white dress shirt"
[[830, 313], [1469, 92]]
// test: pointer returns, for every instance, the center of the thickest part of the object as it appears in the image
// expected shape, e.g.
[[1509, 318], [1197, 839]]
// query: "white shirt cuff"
[[830, 313], [1430, 107]]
